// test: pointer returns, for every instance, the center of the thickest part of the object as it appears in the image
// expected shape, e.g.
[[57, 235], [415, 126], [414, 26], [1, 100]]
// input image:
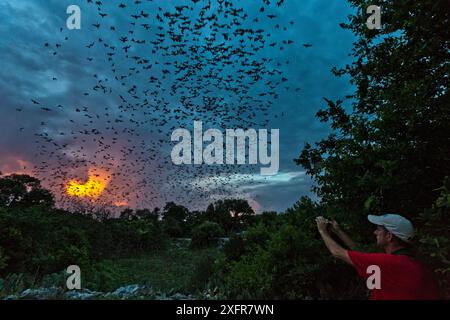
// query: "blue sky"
[[58, 138]]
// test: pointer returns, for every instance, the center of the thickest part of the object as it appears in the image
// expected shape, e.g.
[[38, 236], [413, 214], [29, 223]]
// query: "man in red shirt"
[[393, 275]]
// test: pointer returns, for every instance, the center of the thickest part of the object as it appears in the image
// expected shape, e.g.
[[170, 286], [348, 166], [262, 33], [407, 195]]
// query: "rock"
[[129, 291], [41, 294], [179, 296], [133, 291], [161, 296], [83, 294]]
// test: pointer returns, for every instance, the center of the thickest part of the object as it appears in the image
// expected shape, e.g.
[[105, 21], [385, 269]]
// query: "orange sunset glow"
[[92, 188]]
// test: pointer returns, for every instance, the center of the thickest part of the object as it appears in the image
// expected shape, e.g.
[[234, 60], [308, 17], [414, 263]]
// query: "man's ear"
[[390, 237]]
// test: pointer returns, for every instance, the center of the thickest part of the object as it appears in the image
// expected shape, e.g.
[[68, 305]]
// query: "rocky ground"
[[130, 292]]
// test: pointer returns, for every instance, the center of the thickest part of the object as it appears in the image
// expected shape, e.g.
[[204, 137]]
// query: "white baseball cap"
[[396, 224]]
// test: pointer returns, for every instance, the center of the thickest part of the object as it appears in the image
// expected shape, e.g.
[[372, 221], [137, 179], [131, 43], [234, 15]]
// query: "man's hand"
[[321, 224], [335, 226], [342, 235], [335, 249]]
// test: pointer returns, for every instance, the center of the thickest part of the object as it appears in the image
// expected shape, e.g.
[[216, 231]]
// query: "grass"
[[174, 269]]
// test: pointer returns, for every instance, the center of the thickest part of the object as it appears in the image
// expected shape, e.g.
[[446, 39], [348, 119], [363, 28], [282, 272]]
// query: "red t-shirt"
[[402, 277]]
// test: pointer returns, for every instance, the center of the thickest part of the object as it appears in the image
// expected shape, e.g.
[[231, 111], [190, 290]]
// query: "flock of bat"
[[200, 60]]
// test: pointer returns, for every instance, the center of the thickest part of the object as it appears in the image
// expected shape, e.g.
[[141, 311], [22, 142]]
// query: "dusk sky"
[[100, 102]]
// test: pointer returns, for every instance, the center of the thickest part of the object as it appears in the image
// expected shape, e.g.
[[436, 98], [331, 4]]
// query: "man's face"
[[383, 236]]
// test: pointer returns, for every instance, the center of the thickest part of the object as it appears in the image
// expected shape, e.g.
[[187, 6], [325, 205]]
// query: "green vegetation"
[[390, 153], [172, 270], [38, 242], [206, 234], [282, 257]]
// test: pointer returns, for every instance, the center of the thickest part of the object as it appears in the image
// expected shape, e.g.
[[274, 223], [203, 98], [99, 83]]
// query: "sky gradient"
[[59, 95]]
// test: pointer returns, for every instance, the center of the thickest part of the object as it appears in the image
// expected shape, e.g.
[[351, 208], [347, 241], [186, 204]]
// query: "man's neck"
[[390, 248]]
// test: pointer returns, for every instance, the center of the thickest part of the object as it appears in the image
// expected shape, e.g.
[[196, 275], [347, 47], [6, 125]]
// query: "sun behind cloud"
[[92, 188]]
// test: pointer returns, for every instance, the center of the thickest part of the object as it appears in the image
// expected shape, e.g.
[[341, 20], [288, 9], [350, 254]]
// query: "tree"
[[175, 211], [174, 219], [391, 151], [230, 214], [20, 191], [128, 214], [146, 214]]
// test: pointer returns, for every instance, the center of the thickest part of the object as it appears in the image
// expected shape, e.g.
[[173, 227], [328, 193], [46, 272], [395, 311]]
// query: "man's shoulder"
[[368, 257], [380, 258], [368, 254]]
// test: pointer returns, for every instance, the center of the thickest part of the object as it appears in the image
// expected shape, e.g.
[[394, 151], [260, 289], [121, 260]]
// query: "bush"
[[39, 240], [57, 279], [206, 234], [434, 237], [204, 269], [101, 276], [234, 248], [14, 283], [285, 259], [247, 278], [3, 259], [173, 227]]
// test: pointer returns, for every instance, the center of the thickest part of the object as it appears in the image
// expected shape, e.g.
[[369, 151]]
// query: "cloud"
[[277, 192], [29, 69]]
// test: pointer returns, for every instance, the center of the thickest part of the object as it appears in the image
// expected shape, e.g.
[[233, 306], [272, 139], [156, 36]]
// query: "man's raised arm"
[[342, 235], [336, 250]]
